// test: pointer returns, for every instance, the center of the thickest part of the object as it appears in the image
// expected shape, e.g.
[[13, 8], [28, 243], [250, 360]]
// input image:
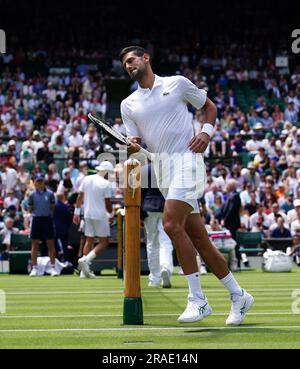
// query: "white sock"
[[195, 285], [52, 266], [231, 284], [90, 256]]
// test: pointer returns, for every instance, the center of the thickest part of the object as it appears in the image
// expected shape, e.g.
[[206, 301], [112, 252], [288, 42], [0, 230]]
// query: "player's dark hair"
[[138, 50]]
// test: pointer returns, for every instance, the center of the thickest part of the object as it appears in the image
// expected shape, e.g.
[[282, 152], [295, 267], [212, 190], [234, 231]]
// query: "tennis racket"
[[113, 133]]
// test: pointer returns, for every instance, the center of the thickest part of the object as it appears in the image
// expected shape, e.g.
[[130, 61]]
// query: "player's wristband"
[[77, 211], [207, 128]]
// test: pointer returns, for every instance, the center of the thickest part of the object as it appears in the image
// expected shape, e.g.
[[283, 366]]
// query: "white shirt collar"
[[157, 82]]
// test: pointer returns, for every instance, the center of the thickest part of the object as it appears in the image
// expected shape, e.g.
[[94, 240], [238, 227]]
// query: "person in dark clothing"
[[44, 154], [253, 205], [230, 214], [159, 245], [280, 231], [40, 120], [62, 219], [41, 204]]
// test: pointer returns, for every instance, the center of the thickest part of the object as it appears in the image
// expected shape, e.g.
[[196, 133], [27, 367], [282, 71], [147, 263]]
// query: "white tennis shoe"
[[239, 307], [53, 273], [153, 284], [84, 266], [196, 310], [82, 275], [92, 275], [34, 272], [165, 276]]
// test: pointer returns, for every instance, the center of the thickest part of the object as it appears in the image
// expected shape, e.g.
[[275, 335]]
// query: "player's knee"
[[173, 229]]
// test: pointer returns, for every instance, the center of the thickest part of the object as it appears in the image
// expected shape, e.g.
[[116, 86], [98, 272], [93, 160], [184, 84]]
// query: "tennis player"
[[157, 114], [95, 194]]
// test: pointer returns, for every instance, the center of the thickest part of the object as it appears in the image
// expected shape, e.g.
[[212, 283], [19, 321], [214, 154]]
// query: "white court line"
[[60, 292], [148, 329], [120, 315]]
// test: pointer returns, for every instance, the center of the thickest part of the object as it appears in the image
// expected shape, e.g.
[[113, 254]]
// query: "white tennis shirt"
[[160, 115], [96, 189]]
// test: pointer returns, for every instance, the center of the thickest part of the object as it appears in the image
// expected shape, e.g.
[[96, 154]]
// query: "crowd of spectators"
[[44, 128]]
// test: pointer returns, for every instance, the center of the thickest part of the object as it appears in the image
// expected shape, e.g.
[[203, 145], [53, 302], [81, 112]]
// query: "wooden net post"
[[133, 307], [120, 221]]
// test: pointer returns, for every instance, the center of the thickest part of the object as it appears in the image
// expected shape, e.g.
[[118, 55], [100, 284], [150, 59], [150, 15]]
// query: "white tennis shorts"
[[181, 177], [96, 228]]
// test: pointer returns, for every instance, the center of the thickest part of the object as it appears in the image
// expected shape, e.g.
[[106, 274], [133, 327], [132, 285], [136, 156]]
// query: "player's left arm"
[[200, 142], [79, 201]]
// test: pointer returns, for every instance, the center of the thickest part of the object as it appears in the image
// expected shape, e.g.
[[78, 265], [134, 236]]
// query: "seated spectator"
[[232, 129], [65, 185], [74, 170], [216, 208], [231, 99], [272, 216], [75, 142], [259, 217], [280, 193], [291, 181], [52, 177], [253, 205], [40, 120], [81, 120], [59, 153], [44, 154], [11, 199], [90, 138], [211, 195], [235, 173], [287, 203], [294, 251], [219, 141], [266, 120], [28, 122], [277, 114], [295, 225], [222, 239], [82, 173], [7, 231], [61, 131], [253, 144], [27, 156], [245, 220], [291, 113], [11, 153], [36, 141], [280, 230], [12, 213], [245, 195], [9, 177], [26, 215], [268, 195], [218, 169], [21, 131], [237, 144], [119, 126], [261, 160], [52, 123], [259, 226], [250, 175], [23, 180]]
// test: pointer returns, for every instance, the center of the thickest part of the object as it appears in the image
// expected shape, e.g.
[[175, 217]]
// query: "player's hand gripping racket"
[[113, 133]]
